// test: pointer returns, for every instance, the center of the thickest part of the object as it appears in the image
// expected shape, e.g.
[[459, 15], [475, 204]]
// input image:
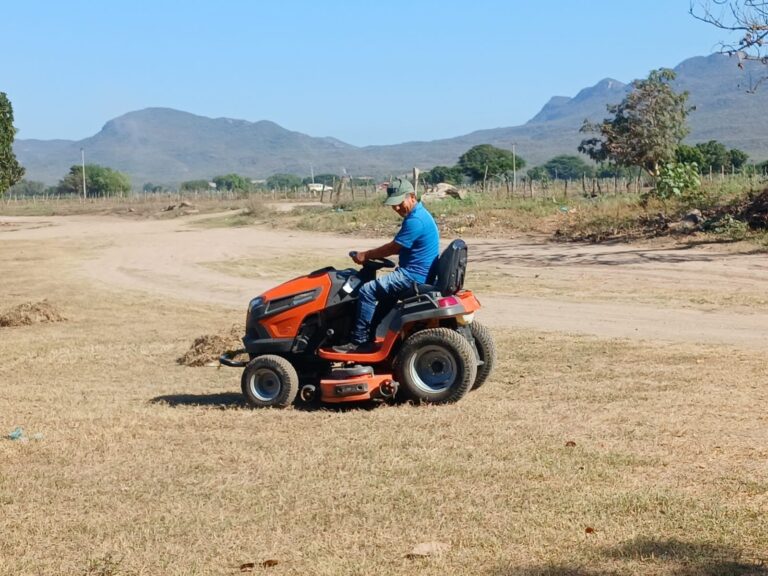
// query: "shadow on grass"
[[554, 570], [684, 558], [223, 400], [235, 400], [694, 558]]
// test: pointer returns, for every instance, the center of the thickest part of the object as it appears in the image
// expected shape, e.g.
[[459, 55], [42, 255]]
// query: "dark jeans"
[[380, 292]]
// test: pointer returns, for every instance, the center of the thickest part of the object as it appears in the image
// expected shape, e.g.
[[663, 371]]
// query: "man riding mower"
[[323, 336]]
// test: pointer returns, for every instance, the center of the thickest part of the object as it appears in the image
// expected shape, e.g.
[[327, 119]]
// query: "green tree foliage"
[[715, 156], [232, 182], [538, 173], [484, 160], [689, 155], [567, 167], [438, 174], [194, 186], [737, 158], [646, 128], [29, 188], [608, 170], [10, 169], [99, 181], [284, 181]]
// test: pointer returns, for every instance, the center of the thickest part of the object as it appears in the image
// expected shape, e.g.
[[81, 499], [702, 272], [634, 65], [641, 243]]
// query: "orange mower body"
[[428, 347]]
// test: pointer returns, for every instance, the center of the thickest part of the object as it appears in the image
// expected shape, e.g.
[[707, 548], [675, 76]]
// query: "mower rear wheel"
[[436, 365], [270, 381], [486, 348]]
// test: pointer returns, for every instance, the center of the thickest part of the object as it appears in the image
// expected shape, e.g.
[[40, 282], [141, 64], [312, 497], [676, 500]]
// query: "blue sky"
[[365, 72]]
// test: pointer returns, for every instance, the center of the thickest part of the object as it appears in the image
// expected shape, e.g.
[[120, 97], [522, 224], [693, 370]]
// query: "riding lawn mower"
[[428, 347]]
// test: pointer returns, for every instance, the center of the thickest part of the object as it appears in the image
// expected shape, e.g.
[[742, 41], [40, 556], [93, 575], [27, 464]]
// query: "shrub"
[[677, 180]]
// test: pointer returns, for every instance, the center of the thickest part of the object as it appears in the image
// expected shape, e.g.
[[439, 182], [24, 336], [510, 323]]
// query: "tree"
[[538, 173], [748, 19], [99, 181], [195, 185], [29, 188], [689, 155], [284, 181], [737, 159], [646, 128], [714, 155], [232, 182], [567, 167], [438, 174], [608, 170], [486, 161], [10, 169]]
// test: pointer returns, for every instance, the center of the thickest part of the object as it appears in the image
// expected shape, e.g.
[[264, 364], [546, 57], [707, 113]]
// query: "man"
[[417, 245]]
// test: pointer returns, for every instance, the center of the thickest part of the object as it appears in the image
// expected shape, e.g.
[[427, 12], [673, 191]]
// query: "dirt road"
[[707, 294]]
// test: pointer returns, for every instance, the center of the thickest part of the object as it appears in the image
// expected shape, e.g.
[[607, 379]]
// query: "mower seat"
[[451, 268]]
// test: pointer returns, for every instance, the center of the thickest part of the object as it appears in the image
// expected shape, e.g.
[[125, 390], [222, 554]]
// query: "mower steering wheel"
[[375, 263]]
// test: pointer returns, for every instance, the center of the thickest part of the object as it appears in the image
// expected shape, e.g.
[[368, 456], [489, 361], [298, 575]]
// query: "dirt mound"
[[29, 313], [206, 349], [756, 212]]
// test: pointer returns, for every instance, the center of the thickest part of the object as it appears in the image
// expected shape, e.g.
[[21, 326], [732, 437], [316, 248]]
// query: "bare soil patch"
[[659, 290], [28, 313]]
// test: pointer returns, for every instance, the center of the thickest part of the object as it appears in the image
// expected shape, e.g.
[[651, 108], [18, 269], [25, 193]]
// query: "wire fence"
[[521, 189]]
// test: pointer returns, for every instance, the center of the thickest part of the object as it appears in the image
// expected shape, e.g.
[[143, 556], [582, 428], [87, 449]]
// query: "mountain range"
[[167, 146]]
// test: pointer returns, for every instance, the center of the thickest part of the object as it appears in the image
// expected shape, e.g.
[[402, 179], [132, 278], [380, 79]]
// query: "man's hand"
[[388, 249], [359, 257]]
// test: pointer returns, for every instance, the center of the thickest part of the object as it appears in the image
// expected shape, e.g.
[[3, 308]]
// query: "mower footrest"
[[342, 390], [356, 388]]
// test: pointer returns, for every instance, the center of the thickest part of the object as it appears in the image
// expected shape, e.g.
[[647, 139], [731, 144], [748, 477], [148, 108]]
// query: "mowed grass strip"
[[579, 455]]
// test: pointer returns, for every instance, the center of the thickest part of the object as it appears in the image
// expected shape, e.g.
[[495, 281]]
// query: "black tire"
[[270, 381], [437, 365], [486, 348]]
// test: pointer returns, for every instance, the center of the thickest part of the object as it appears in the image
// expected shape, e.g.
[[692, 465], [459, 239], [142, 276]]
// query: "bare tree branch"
[[748, 19]]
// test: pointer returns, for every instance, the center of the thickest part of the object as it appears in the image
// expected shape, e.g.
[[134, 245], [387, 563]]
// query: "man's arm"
[[388, 249]]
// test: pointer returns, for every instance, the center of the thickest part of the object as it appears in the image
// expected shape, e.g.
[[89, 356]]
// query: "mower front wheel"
[[270, 381], [437, 365], [486, 348]]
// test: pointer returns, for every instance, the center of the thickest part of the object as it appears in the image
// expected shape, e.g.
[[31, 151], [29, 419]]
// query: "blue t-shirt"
[[419, 242]]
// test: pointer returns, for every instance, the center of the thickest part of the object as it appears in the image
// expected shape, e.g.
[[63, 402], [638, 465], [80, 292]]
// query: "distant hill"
[[163, 145]]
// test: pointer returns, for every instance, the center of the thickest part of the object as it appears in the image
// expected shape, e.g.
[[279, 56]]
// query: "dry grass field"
[[584, 454]]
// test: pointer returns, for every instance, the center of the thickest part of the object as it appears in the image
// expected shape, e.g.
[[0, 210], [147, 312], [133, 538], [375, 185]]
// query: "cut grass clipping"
[[29, 313], [206, 349]]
